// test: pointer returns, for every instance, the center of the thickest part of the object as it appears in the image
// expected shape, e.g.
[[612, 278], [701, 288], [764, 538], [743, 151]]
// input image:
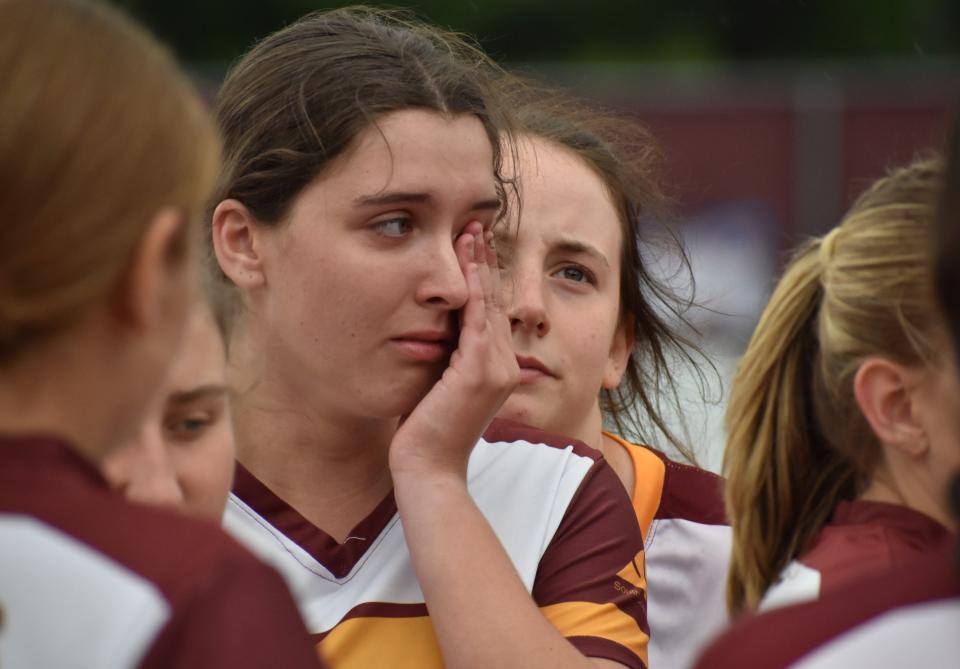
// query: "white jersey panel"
[[65, 605], [510, 482], [797, 584], [923, 635], [687, 566]]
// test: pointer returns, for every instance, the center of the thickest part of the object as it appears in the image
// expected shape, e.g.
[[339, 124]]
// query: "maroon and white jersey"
[[89, 580], [907, 616], [687, 542], [557, 508], [862, 538]]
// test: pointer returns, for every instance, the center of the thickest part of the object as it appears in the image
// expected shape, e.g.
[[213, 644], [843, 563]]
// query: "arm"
[[481, 612]]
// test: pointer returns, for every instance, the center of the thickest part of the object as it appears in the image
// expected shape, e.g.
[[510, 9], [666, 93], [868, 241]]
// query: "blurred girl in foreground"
[[107, 157]]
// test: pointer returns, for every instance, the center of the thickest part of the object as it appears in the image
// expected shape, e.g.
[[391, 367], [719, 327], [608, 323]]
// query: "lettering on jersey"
[[632, 579]]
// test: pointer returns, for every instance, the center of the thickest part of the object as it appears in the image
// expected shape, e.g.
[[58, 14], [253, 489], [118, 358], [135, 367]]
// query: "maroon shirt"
[[905, 616], [136, 586], [864, 538]]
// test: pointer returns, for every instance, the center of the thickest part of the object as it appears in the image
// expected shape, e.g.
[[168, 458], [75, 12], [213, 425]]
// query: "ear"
[[235, 244], [620, 349], [159, 276], [885, 391]]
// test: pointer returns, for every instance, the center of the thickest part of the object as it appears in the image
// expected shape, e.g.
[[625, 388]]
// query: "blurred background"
[[771, 114]]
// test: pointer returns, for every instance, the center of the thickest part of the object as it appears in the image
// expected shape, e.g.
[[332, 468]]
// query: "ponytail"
[[774, 448]]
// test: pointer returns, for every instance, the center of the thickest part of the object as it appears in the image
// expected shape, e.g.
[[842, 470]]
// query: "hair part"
[[100, 132], [797, 442]]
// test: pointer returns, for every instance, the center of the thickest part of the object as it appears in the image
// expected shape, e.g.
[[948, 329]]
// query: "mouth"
[[426, 346], [532, 370]]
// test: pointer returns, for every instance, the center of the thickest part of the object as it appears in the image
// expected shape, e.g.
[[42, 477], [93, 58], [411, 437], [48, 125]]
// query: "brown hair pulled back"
[[296, 101], [99, 132], [797, 443]]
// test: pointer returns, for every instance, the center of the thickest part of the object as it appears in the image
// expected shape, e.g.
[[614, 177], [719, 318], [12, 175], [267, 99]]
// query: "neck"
[[909, 492], [48, 391], [332, 468], [590, 432]]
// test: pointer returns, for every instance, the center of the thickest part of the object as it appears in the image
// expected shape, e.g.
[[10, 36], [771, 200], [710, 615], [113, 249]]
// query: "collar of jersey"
[[338, 558]]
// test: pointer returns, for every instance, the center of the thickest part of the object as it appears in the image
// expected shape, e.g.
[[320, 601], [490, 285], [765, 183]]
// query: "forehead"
[[561, 196], [418, 151], [201, 358]]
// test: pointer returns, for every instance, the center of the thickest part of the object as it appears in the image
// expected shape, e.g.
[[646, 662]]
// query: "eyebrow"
[[193, 394], [404, 197], [571, 246]]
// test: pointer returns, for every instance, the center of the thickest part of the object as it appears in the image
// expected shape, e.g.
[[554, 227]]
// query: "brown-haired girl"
[[841, 417], [368, 354], [593, 346], [107, 157]]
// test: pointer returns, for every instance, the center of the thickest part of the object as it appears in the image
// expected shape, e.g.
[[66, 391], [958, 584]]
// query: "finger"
[[463, 246], [475, 312], [493, 262], [483, 266]]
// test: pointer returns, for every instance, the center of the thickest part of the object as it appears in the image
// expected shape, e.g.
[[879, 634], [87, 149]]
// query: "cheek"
[[205, 468]]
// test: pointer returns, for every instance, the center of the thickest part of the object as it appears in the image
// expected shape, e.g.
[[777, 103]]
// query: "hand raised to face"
[[439, 434]]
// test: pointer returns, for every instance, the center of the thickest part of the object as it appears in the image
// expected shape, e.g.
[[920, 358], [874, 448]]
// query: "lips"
[[424, 346], [532, 369]]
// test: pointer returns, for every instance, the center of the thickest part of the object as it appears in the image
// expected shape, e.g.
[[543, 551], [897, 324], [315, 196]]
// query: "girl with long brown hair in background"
[[593, 337], [841, 418], [107, 158]]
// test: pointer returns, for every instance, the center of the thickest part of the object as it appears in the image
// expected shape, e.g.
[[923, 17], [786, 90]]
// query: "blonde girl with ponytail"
[[840, 416]]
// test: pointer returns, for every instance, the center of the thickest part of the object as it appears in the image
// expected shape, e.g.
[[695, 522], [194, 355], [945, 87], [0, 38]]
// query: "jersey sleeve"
[[243, 618], [591, 583]]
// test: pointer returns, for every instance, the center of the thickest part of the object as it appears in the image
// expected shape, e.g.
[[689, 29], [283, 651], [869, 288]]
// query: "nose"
[[145, 471], [526, 306], [443, 284]]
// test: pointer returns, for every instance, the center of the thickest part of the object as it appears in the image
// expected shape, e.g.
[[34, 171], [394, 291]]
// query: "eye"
[[575, 273], [393, 227], [188, 427]]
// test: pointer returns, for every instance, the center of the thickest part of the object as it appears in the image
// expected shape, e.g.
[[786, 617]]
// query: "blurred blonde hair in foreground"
[[98, 131]]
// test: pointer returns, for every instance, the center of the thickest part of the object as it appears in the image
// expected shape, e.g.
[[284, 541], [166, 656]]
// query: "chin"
[[518, 413], [402, 398]]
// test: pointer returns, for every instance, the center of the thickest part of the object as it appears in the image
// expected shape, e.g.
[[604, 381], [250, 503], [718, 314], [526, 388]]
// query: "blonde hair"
[[797, 443], [100, 131]]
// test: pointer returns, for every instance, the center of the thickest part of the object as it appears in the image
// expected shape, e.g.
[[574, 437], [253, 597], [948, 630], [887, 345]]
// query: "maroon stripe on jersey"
[[783, 636], [595, 647], [340, 559], [510, 431], [596, 539], [691, 493], [378, 610]]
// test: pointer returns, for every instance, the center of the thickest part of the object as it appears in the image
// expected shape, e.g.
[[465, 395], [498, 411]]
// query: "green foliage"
[[217, 31]]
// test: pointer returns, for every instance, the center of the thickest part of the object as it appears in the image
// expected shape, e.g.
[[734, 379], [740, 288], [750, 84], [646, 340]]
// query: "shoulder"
[[690, 493], [503, 431], [175, 553], [893, 600]]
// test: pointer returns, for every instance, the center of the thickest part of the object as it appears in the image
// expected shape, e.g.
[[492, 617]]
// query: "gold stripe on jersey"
[[360, 643], [649, 476], [605, 621], [635, 573]]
